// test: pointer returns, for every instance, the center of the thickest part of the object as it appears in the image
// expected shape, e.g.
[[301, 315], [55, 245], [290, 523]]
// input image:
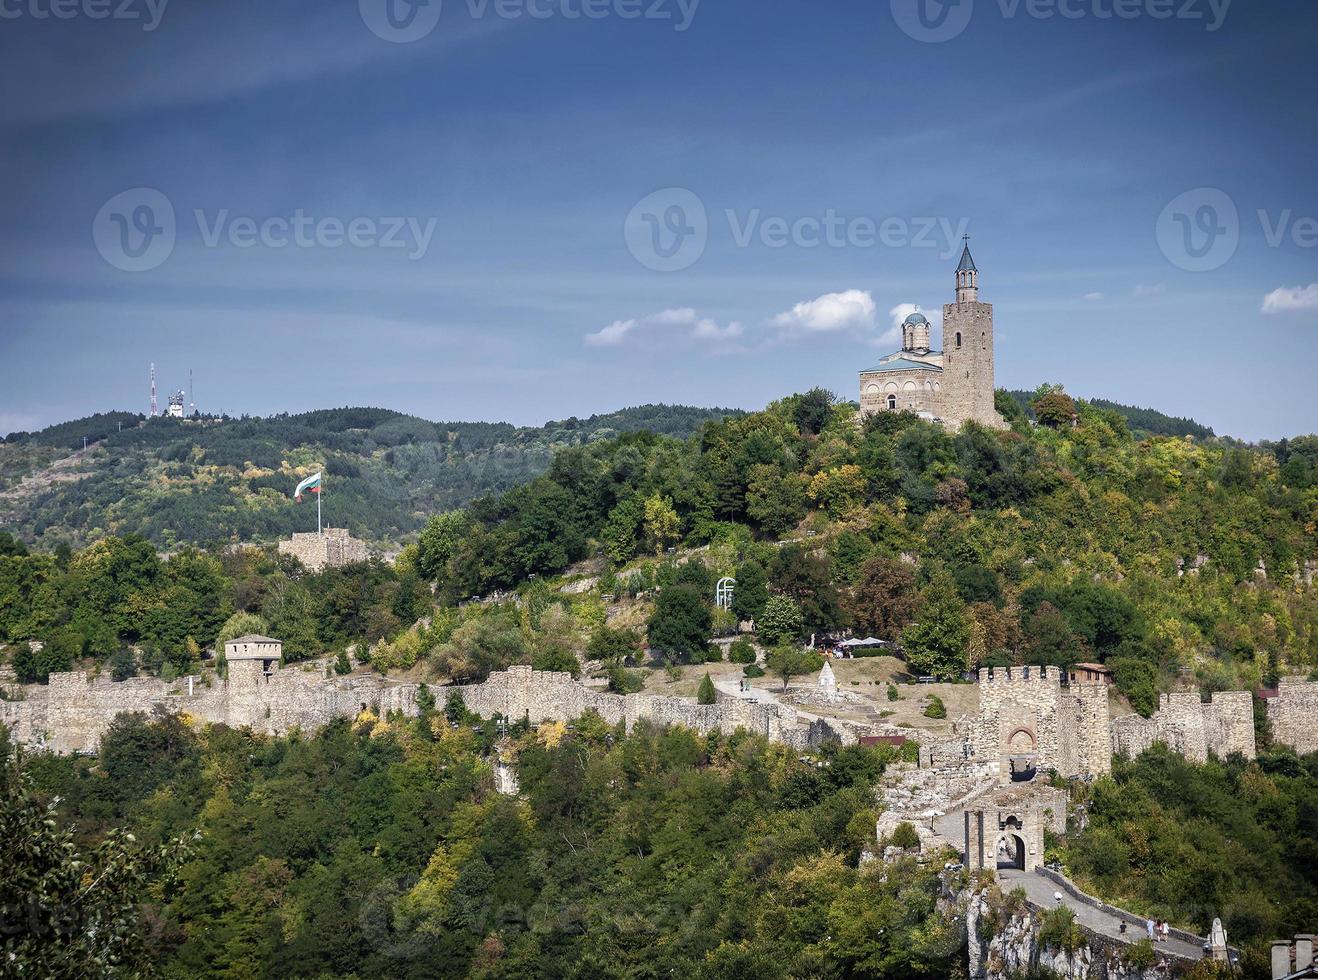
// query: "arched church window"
[[892, 403]]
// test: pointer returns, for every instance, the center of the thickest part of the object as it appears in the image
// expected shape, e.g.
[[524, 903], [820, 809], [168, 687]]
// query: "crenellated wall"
[[1191, 727], [73, 711], [1026, 712], [1293, 714]]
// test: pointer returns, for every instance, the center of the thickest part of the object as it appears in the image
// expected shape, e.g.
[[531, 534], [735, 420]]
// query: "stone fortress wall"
[[1023, 713], [1192, 727], [334, 548], [72, 712], [1293, 714], [1026, 714]]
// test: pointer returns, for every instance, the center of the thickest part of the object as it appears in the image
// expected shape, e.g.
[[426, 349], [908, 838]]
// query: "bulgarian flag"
[[310, 485]]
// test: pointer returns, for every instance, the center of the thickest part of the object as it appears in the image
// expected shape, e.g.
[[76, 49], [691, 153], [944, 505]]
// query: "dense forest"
[[379, 847], [193, 481]]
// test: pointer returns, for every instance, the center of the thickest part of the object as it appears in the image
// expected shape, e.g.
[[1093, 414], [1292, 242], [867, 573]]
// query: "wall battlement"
[[332, 548], [1192, 727], [1293, 714], [1039, 676], [73, 711]]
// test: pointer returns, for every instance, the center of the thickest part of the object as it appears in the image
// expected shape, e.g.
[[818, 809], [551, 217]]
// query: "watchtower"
[[252, 659]]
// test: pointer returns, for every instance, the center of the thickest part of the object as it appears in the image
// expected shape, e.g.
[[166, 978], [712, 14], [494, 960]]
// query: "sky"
[[526, 210]]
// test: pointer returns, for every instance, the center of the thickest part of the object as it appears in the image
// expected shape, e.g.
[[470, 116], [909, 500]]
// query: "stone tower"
[[967, 382]]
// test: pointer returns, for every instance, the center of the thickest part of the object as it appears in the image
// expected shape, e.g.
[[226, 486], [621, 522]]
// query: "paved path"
[[1040, 891]]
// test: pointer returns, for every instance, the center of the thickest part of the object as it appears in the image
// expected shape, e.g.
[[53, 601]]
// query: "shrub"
[[935, 708], [624, 681], [753, 670], [713, 654], [892, 693], [706, 693], [742, 651], [904, 836], [1058, 930]]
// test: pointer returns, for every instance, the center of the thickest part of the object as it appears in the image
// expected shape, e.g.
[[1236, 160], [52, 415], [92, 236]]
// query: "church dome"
[[916, 319]]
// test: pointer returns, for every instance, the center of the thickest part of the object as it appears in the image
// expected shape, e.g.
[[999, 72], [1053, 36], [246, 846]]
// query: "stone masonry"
[[72, 712], [1293, 714], [1028, 720], [1191, 727], [333, 548]]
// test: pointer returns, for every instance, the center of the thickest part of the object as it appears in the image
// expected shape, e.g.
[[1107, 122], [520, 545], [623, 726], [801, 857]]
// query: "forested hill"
[[181, 481], [1142, 421]]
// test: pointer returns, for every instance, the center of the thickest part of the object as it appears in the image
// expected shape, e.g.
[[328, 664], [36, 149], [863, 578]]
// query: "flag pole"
[[319, 532]]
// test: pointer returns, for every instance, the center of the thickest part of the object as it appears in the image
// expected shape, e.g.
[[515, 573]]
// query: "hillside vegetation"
[[179, 482]]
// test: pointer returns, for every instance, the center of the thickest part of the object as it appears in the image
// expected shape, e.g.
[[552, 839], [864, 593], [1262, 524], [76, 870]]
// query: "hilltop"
[[192, 481]]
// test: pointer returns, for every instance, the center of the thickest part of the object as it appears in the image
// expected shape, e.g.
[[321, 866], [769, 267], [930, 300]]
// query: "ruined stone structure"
[[954, 385], [1191, 727], [1028, 721], [1006, 827], [1293, 714], [72, 712], [333, 548]]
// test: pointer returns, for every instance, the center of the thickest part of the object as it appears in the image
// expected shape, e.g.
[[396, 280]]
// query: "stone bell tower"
[[967, 382]]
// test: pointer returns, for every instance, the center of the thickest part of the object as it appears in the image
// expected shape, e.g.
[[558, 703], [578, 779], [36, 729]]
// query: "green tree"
[[662, 525], [1054, 408], [80, 910], [780, 621], [742, 651], [439, 543], [787, 660], [884, 599], [935, 644], [751, 591], [681, 621], [705, 693]]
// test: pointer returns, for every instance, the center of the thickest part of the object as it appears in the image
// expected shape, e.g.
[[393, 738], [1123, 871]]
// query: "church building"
[[953, 385]]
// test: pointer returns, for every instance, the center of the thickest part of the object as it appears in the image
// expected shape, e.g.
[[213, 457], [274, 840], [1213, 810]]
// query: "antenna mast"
[[153, 389], [192, 394]]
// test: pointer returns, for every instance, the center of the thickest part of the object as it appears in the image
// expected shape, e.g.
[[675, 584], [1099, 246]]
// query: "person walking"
[[1153, 930]]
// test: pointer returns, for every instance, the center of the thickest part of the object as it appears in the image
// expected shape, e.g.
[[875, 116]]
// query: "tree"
[[805, 577], [1047, 638], [614, 647], [342, 665], [662, 525], [935, 644], [774, 500], [751, 591], [79, 912], [681, 621], [241, 624], [787, 660], [884, 599], [1054, 409], [555, 659], [780, 622], [439, 542], [705, 694]]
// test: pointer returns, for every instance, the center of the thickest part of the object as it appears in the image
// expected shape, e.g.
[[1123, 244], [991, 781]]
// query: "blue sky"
[[506, 155]]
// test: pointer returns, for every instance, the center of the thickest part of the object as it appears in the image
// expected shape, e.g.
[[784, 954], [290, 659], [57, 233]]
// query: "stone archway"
[[1011, 852], [1022, 741]]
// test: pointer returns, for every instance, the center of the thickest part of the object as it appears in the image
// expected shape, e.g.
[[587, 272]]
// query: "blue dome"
[[917, 318]]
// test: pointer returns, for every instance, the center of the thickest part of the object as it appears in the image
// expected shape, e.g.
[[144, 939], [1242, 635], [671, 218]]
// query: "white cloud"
[[1157, 289], [612, 335], [702, 328], [850, 310], [707, 329], [1093, 297], [1292, 299]]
